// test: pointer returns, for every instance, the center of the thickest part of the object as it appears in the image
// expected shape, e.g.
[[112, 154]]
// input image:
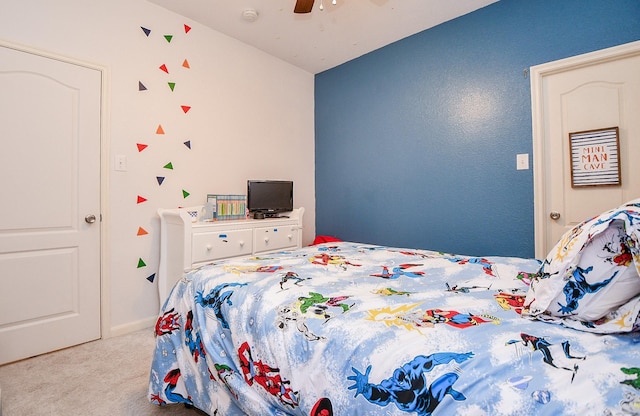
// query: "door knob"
[[554, 215], [90, 219]]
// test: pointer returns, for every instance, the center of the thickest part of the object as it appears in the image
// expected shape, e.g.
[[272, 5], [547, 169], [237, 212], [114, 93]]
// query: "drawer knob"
[[266, 239], [241, 243], [208, 247]]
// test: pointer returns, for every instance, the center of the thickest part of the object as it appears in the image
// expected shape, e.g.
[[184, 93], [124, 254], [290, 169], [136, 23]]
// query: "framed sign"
[[595, 157]]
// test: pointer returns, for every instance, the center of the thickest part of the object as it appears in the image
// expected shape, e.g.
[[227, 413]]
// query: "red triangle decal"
[[141, 199], [141, 146], [185, 108], [164, 68], [187, 28]]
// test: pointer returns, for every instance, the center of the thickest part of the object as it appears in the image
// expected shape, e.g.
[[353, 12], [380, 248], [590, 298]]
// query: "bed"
[[344, 328]]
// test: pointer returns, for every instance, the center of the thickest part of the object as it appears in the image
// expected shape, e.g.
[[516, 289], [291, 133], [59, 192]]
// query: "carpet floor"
[[104, 377]]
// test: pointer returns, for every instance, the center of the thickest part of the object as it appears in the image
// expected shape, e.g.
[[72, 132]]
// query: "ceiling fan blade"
[[303, 6]]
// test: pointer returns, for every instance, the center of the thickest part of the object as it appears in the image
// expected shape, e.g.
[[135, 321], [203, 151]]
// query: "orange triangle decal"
[[164, 68], [185, 108], [142, 231], [159, 130], [141, 146], [185, 64]]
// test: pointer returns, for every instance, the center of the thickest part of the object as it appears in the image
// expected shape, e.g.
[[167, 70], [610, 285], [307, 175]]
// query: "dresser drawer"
[[221, 244], [275, 238]]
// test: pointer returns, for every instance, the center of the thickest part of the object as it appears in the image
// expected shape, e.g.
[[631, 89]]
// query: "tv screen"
[[269, 197]]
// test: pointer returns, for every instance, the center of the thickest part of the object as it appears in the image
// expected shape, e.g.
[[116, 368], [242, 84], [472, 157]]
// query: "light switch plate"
[[120, 163], [522, 161]]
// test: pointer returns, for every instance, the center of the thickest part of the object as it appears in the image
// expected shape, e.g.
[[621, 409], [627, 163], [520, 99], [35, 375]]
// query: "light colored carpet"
[[104, 377]]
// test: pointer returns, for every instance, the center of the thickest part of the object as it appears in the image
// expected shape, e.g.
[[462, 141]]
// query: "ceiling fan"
[[305, 6]]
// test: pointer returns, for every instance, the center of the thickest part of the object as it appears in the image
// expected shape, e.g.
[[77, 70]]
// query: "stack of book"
[[228, 207]]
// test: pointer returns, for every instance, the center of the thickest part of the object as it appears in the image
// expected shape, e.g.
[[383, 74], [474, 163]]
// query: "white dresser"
[[185, 244]]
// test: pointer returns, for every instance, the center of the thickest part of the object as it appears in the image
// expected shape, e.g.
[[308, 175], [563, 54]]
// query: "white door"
[[587, 92], [50, 187]]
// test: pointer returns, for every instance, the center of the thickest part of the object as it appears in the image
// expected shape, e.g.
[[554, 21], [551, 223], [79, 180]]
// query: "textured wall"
[[416, 142]]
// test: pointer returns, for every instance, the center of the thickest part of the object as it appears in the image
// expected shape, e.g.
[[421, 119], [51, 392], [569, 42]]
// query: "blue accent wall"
[[416, 142]]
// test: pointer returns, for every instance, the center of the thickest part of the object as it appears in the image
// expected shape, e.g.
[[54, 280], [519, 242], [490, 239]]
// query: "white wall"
[[251, 117]]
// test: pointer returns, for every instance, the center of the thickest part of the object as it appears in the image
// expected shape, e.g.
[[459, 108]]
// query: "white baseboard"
[[130, 327]]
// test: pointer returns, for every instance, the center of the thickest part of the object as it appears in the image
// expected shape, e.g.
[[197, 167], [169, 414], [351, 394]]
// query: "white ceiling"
[[322, 39]]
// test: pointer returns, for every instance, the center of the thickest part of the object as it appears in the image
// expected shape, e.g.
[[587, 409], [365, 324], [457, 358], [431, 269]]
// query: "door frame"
[[538, 73], [105, 284]]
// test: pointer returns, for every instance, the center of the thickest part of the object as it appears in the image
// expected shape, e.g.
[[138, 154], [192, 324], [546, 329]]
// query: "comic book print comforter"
[[350, 329]]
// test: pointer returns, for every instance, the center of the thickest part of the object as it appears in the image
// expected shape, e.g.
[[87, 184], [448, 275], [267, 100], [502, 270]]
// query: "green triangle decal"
[[168, 166], [141, 263], [168, 38], [185, 193], [172, 85]]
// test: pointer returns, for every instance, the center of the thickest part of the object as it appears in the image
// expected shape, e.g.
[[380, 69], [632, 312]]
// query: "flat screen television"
[[268, 198]]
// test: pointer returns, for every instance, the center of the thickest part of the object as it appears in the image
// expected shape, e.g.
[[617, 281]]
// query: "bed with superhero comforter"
[[354, 329]]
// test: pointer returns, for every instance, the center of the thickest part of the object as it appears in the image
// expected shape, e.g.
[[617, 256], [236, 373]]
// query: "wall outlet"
[[522, 161]]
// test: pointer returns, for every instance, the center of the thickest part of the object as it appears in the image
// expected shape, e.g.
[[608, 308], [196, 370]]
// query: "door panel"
[[50, 170], [593, 91]]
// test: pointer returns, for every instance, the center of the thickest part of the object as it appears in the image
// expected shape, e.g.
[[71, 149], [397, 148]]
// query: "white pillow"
[[604, 278], [590, 280]]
